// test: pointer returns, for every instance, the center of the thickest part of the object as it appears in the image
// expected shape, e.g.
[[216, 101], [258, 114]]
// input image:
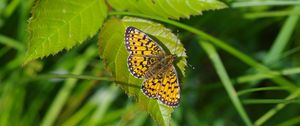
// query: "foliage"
[[251, 46], [56, 25]]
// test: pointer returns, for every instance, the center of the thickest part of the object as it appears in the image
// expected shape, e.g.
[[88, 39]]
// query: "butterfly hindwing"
[[151, 86], [169, 92], [163, 86]]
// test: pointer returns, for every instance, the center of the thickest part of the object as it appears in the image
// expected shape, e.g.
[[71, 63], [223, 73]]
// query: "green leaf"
[[113, 52], [61, 24], [167, 9]]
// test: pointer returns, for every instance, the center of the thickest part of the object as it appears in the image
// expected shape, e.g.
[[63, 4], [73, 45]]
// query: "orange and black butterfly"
[[148, 60]]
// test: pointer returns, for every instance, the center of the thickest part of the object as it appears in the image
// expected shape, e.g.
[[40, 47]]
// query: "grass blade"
[[292, 122], [269, 101], [260, 89], [210, 50], [283, 38], [277, 108], [65, 91]]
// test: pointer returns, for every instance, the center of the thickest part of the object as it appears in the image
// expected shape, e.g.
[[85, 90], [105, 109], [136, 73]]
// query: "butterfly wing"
[[143, 51], [144, 54], [138, 65], [169, 92], [163, 86], [151, 86]]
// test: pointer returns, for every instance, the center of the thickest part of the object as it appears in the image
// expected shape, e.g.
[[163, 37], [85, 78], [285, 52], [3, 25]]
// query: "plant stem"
[[86, 77], [264, 3]]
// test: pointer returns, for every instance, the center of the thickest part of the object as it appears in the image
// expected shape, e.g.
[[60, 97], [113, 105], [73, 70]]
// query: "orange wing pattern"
[[147, 60], [151, 86], [138, 43], [164, 86], [169, 92], [138, 65], [143, 51]]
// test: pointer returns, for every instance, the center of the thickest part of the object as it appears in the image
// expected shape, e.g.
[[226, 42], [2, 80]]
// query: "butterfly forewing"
[[143, 51], [138, 65], [138, 43]]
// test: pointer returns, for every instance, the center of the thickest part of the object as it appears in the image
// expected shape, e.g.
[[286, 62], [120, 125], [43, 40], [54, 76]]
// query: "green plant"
[[56, 25]]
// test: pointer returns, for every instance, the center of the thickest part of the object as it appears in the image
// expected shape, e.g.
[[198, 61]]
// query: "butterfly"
[[147, 60]]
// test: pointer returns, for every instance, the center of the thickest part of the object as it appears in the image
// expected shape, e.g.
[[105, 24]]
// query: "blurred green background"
[[27, 92]]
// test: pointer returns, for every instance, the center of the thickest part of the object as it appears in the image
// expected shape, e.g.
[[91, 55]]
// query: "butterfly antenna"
[[177, 41], [191, 66]]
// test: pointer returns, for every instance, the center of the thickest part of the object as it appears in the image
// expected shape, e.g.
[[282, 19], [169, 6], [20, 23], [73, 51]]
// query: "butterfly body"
[[164, 63], [148, 61]]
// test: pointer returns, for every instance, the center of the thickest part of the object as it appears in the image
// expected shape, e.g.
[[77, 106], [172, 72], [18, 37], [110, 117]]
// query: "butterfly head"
[[169, 59], [173, 57]]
